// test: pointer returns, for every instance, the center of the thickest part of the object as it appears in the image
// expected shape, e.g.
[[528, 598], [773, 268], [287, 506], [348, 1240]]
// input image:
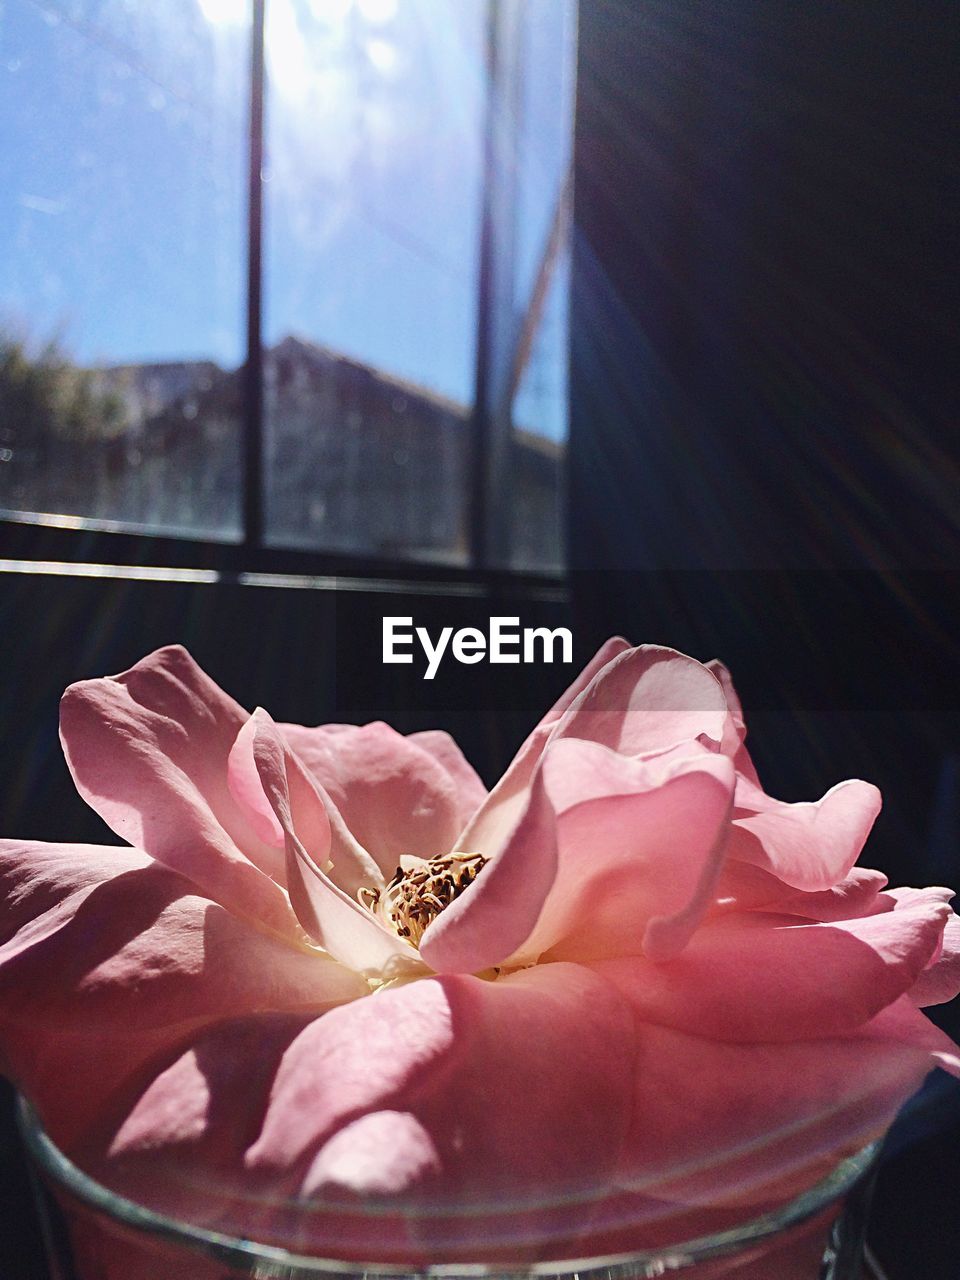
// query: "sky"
[[123, 185]]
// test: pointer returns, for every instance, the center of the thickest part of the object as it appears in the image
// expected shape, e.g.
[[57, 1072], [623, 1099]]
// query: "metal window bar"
[[489, 455]]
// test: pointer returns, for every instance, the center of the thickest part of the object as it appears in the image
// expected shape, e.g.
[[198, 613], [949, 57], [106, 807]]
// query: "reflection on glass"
[[121, 213]]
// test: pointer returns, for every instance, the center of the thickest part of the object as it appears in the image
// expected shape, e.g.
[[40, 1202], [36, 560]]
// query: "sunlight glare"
[[287, 59], [377, 11], [382, 55], [330, 11], [220, 13]]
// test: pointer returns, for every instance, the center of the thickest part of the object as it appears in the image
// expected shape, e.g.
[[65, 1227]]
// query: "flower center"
[[420, 891]]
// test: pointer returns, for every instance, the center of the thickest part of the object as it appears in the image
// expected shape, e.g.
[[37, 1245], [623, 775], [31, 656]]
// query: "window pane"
[[121, 284], [542, 253], [375, 118], [540, 435]]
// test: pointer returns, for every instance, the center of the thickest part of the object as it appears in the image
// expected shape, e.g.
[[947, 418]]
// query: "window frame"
[[96, 543]]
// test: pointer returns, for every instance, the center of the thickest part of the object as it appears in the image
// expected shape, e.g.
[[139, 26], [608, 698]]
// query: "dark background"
[[762, 467], [764, 441]]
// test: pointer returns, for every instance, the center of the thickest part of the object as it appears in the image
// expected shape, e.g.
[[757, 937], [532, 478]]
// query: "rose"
[[655, 988]]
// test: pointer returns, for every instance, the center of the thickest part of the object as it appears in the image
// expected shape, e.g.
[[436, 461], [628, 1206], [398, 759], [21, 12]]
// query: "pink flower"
[[331, 968]]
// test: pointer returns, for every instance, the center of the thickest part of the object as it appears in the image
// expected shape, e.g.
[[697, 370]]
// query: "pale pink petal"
[[148, 750], [810, 846], [349, 932], [189, 1143], [609, 650], [244, 782], [393, 794], [648, 699], [716, 1121], [752, 977], [470, 790], [497, 816], [640, 848], [379, 1154], [114, 958], [644, 700], [467, 1059], [35, 877], [902, 1023], [735, 728], [319, 825], [940, 982], [496, 913], [744, 887], [178, 1145], [858, 894], [260, 1112], [907, 896], [393, 1044]]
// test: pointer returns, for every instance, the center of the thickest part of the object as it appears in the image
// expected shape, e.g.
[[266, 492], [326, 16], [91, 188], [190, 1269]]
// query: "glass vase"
[[91, 1233]]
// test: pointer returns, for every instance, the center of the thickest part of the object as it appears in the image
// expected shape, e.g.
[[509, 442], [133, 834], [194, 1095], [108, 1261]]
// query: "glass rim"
[[250, 1256]]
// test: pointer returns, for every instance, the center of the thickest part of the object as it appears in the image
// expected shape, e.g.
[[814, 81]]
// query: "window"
[[390, 383], [121, 290]]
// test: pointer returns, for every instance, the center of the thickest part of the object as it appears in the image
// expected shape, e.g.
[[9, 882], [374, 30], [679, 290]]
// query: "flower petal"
[[36, 877], [717, 1121], [262, 1112], [395, 1043], [609, 650], [641, 700], [393, 794], [903, 1023], [470, 790], [467, 1057], [490, 827], [179, 1142], [342, 927], [810, 846], [859, 893], [744, 887], [940, 981], [496, 913], [499, 813], [648, 699], [378, 1154], [735, 730], [317, 820], [244, 782], [148, 750], [756, 977], [640, 848], [115, 958]]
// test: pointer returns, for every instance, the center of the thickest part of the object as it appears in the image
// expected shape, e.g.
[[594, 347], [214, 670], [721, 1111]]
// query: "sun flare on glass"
[[220, 13]]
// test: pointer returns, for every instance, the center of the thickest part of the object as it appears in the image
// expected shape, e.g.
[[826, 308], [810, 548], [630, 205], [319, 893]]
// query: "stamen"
[[413, 898]]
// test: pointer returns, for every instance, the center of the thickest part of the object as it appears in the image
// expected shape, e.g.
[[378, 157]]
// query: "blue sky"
[[122, 200]]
